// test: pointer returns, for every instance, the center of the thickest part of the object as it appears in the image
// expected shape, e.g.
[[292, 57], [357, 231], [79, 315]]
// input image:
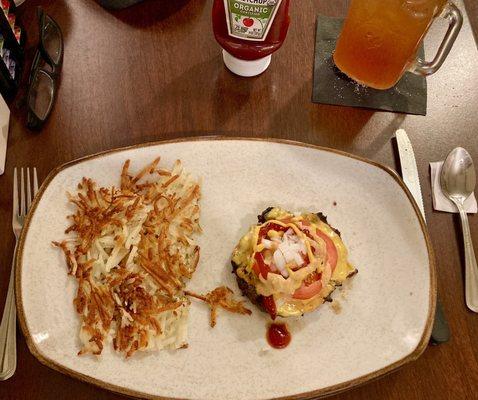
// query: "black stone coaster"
[[331, 86]]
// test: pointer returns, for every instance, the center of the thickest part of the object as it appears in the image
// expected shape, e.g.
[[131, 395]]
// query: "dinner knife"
[[440, 330]]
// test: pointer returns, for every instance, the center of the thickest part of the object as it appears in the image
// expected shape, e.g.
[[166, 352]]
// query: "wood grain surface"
[[154, 72]]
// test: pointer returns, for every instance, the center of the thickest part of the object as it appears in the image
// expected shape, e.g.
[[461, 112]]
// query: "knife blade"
[[408, 163]]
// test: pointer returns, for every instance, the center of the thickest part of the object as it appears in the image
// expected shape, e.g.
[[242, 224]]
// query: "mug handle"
[[425, 68]]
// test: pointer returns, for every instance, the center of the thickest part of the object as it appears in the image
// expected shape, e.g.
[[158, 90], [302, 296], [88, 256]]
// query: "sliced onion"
[[289, 233], [280, 262], [298, 259]]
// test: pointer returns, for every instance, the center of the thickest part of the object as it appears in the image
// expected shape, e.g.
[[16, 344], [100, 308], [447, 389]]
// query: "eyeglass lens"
[[52, 40], [41, 94]]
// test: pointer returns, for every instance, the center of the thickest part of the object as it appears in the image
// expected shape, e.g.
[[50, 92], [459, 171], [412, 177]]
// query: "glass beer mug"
[[380, 38]]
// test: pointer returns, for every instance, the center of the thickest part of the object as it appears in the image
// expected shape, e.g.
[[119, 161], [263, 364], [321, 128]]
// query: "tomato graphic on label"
[[248, 22]]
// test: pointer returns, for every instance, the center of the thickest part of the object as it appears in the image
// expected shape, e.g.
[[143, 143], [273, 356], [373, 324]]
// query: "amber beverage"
[[380, 38]]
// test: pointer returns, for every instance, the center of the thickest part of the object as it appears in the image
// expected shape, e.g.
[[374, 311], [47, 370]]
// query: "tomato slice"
[[306, 259], [260, 267], [332, 254], [270, 306], [270, 226], [330, 248], [309, 290]]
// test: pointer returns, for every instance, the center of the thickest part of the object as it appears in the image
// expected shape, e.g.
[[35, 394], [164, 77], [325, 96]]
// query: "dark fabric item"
[[331, 86], [117, 4]]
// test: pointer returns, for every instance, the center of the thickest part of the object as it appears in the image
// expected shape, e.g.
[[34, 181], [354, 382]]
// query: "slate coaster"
[[331, 86]]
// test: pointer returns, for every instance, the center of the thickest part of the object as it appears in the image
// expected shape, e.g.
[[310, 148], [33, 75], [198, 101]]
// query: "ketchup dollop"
[[278, 336]]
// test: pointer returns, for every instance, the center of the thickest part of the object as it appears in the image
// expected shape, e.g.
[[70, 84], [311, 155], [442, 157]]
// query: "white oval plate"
[[386, 312]]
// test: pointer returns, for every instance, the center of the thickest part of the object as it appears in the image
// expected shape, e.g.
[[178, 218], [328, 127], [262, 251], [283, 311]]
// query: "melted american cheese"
[[283, 288]]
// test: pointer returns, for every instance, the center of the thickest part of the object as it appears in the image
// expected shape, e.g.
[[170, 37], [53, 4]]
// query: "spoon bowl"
[[458, 177]]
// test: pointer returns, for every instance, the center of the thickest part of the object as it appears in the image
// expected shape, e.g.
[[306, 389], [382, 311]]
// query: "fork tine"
[[15, 193], [29, 190], [35, 182], [22, 193]]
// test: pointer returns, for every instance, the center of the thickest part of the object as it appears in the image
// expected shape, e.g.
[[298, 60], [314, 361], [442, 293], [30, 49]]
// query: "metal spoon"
[[458, 180]]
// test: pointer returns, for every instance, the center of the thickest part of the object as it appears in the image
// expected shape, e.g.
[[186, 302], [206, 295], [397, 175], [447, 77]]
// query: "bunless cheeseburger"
[[289, 264]]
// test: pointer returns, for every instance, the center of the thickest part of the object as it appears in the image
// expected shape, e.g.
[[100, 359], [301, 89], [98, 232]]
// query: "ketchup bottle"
[[249, 31]]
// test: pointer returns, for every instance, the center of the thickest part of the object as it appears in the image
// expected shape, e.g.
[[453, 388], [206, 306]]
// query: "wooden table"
[[155, 72]]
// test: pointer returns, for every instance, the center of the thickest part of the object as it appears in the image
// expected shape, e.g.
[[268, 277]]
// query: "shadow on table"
[[214, 93], [232, 94], [226, 99], [150, 12], [338, 127], [331, 126]]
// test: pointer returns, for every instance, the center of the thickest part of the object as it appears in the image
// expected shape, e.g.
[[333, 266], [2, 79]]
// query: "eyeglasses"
[[45, 71]]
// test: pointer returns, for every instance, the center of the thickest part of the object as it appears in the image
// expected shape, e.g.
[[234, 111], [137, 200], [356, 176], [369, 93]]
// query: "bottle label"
[[250, 19]]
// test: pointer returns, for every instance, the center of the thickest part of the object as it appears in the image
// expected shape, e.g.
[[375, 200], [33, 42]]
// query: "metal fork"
[[8, 327]]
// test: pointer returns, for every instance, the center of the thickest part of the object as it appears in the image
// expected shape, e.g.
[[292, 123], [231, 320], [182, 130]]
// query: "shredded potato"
[[131, 250], [221, 297]]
